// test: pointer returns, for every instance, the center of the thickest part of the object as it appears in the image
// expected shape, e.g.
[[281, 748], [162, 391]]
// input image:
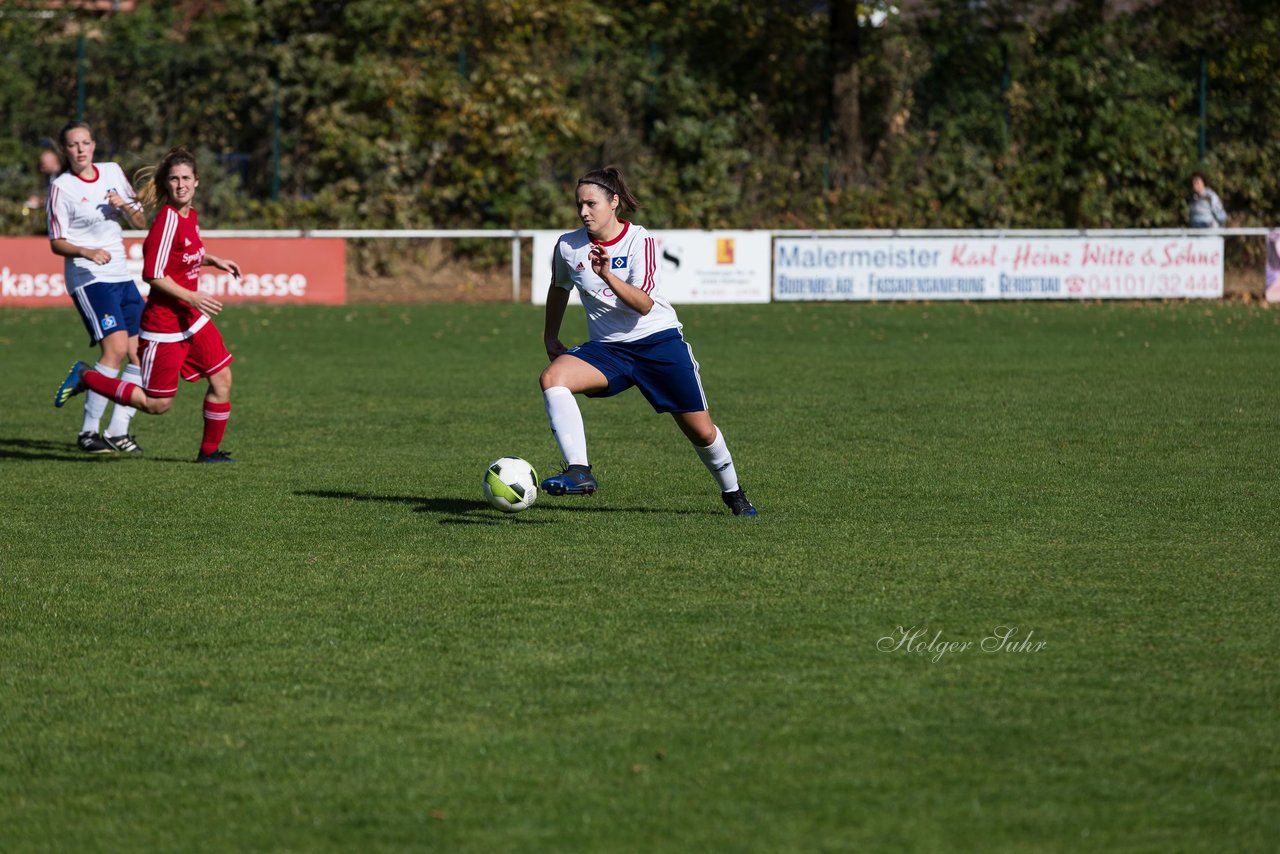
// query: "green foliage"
[[474, 113]]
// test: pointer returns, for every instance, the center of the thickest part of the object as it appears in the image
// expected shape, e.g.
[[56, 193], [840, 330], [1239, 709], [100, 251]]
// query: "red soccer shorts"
[[201, 355]]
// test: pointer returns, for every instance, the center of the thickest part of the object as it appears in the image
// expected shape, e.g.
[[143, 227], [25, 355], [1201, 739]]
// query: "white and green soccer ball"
[[510, 484]]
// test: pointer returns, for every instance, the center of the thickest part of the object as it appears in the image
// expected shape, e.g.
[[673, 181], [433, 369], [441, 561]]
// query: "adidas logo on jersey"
[[580, 268]]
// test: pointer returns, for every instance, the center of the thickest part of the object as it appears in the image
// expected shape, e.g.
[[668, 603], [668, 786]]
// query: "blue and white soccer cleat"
[[738, 502], [574, 480], [72, 385]]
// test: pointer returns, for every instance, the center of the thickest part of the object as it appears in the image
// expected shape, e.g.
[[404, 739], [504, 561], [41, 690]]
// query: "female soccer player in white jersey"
[[178, 339], [635, 339], [87, 204]]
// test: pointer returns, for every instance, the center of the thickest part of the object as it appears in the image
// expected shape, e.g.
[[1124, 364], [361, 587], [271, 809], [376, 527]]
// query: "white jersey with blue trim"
[[80, 213], [633, 257]]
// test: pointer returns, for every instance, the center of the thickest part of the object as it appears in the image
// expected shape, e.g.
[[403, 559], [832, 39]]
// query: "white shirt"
[[632, 258], [80, 213]]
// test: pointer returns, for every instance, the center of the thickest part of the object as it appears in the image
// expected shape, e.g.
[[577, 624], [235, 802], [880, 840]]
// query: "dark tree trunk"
[[847, 166]]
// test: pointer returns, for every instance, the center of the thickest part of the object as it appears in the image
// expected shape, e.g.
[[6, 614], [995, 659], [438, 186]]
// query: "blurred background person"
[[48, 166], [1204, 207]]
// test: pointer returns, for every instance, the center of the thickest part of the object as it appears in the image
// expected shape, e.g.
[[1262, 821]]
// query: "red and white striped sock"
[[216, 416], [120, 391]]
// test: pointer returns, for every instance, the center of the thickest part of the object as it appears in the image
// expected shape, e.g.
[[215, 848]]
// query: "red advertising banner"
[[276, 270]]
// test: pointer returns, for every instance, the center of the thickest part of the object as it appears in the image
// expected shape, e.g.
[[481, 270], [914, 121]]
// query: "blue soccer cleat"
[[218, 456], [72, 385], [738, 502], [574, 480]]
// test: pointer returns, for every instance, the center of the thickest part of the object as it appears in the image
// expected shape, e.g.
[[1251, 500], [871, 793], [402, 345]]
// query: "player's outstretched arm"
[[224, 264]]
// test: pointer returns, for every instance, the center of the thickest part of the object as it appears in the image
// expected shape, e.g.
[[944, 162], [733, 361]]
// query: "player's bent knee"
[[157, 405], [550, 377], [220, 385]]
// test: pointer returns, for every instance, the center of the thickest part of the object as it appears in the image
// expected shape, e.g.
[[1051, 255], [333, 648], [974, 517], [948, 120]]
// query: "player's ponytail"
[[153, 181], [611, 181]]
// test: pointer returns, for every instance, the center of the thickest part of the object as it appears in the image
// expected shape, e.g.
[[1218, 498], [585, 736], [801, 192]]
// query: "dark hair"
[[1200, 175], [153, 181], [611, 181], [61, 149]]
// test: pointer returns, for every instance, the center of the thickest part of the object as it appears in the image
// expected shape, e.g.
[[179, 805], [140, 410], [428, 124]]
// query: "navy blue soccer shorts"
[[661, 366], [107, 307]]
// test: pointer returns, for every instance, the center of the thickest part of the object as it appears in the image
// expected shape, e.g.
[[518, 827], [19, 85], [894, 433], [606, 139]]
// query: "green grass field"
[[335, 644]]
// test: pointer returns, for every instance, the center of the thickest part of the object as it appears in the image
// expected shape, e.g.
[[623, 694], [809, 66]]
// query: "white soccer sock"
[[122, 415], [95, 404], [566, 424], [719, 462]]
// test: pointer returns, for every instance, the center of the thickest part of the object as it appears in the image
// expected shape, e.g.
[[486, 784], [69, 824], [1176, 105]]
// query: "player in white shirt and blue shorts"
[[634, 340], [89, 203]]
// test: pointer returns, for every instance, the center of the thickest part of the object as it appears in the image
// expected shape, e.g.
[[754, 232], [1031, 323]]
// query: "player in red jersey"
[[178, 336]]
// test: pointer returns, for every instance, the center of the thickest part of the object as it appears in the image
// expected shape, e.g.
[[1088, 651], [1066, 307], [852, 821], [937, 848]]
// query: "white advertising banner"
[[693, 266], [938, 268]]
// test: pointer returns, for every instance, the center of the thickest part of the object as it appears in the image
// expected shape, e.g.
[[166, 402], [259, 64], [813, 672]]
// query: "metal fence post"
[[515, 269]]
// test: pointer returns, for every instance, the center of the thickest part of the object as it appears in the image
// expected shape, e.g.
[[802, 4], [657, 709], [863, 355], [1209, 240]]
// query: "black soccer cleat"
[[738, 502], [126, 443], [218, 456], [93, 443]]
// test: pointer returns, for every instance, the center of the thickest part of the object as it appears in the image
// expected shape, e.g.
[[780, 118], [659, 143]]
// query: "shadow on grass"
[[467, 511], [43, 449]]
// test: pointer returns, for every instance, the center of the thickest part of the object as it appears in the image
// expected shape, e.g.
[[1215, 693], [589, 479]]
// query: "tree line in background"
[[770, 114]]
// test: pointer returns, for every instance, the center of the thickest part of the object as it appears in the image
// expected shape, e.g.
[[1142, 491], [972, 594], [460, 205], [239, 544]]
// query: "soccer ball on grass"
[[510, 484]]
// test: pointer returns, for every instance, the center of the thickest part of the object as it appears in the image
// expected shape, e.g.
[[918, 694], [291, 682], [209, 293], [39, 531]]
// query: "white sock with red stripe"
[[95, 405], [122, 415], [566, 424], [719, 462]]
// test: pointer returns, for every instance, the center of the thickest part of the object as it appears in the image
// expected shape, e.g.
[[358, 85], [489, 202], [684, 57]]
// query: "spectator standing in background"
[[50, 166], [1273, 266], [1204, 208]]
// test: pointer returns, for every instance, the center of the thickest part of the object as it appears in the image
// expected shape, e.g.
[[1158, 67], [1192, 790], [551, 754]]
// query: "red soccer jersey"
[[173, 248]]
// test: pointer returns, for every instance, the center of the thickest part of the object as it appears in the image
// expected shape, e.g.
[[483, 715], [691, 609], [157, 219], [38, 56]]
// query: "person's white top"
[[80, 213], [633, 258]]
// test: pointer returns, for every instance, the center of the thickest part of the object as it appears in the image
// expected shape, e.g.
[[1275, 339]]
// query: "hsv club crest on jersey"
[[80, 214], [633, 259]]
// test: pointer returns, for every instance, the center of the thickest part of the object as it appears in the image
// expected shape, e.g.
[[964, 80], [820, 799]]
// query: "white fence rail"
[[516, 237]]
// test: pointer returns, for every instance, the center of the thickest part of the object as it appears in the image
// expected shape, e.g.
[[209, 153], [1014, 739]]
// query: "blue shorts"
[[107, 307], [661, 366]]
